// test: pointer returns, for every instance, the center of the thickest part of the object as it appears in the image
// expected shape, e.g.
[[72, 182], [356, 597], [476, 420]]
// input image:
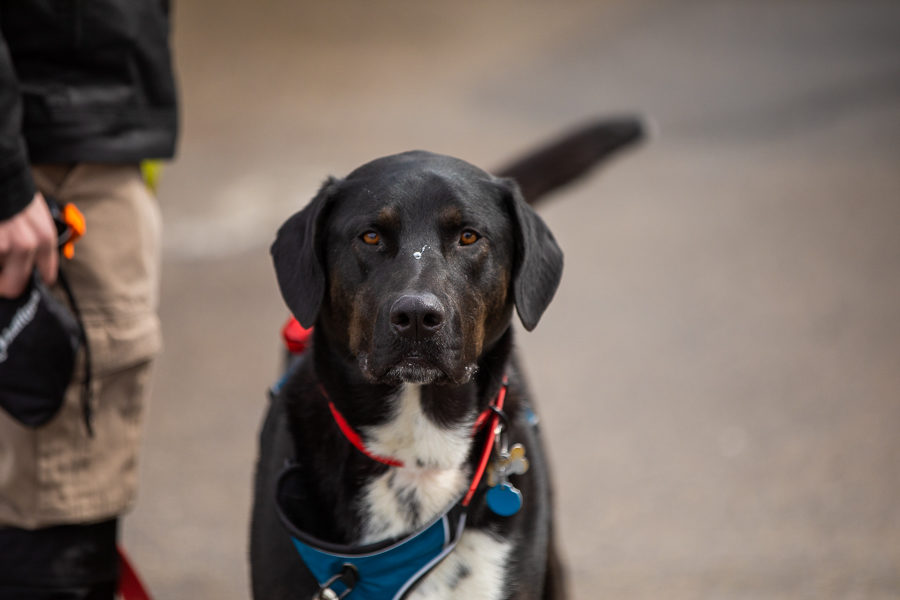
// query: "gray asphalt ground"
[[719, 374]]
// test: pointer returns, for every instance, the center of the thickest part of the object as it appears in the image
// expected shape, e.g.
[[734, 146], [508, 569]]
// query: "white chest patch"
[[474, 570], [414, 439], [433, 475]]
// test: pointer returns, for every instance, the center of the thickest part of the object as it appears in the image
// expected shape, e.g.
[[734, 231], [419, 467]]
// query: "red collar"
[[354, 438], [491, 413]]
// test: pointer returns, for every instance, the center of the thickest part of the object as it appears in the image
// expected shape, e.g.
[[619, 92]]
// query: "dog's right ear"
[[299, 264]]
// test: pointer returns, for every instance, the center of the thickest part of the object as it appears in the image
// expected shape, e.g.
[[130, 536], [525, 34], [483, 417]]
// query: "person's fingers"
[[27, 240], [17, 263], [46, 257]]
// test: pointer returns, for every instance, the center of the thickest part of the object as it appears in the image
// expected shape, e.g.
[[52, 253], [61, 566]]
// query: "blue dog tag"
[[504, 499]]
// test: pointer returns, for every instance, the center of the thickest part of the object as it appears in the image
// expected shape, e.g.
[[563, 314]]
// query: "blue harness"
[[379, 571], [389, 569]]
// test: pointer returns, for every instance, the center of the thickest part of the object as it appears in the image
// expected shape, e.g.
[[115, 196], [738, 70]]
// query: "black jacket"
[[82, 81]]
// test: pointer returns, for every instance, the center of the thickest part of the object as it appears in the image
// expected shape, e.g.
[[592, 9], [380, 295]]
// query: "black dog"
[[401, 457]]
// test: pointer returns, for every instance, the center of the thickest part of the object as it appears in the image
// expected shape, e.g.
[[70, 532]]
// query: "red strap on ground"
[[130, 585]]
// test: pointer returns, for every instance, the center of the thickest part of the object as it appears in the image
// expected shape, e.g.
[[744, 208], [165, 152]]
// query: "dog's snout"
[[417, 316]]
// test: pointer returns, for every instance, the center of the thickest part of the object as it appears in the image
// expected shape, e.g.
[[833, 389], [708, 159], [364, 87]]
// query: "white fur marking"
[[432, 477], [431, 490], [413, 438], [474, 570]]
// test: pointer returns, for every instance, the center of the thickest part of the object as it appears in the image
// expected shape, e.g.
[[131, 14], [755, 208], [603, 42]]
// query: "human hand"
[[27, 240]]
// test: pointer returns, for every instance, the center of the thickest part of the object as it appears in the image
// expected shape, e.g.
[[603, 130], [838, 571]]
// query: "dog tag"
[[504, 499], [513, 463]]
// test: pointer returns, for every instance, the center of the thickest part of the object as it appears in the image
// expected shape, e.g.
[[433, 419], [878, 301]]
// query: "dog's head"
[[412, 264]]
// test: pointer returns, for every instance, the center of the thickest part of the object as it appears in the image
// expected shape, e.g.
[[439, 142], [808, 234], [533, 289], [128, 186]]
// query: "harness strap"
[[86, 389], [385, 570]]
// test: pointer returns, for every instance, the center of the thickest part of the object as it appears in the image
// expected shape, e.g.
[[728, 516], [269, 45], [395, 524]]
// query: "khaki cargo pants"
[[58, 474]]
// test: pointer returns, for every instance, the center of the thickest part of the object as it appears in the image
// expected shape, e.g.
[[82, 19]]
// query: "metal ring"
[[500, 413], [349, 576]]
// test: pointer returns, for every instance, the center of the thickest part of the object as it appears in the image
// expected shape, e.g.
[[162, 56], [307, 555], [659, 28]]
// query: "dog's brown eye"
[[467, 238], [371, 237]]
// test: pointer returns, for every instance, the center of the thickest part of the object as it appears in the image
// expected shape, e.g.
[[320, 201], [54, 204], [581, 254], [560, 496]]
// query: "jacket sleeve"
[[16, 185]]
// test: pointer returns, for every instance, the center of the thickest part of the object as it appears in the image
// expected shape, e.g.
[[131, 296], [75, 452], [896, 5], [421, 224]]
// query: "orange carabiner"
[[75, 220]]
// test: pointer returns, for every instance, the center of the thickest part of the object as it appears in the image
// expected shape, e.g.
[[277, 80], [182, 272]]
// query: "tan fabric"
[[58, 474]]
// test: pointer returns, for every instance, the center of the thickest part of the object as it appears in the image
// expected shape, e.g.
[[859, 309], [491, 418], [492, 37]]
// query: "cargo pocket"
[[88, 478], [114, 276]]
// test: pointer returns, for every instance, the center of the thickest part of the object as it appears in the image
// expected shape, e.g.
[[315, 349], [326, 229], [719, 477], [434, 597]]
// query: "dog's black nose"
[[417, 316]]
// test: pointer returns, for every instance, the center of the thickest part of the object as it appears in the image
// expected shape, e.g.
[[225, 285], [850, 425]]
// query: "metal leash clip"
[[348, 576]]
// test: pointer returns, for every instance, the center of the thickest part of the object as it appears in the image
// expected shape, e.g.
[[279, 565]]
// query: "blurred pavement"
[[719, 374]]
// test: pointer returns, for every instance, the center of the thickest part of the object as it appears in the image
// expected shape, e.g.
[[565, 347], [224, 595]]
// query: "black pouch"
[[39, 339]]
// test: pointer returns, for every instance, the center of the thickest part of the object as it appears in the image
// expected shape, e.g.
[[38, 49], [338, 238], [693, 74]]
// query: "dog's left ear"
[[538, 263], [299, 264]]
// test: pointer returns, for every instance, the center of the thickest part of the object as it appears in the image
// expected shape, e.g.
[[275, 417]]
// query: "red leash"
[[130, 585], [492, 433]]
